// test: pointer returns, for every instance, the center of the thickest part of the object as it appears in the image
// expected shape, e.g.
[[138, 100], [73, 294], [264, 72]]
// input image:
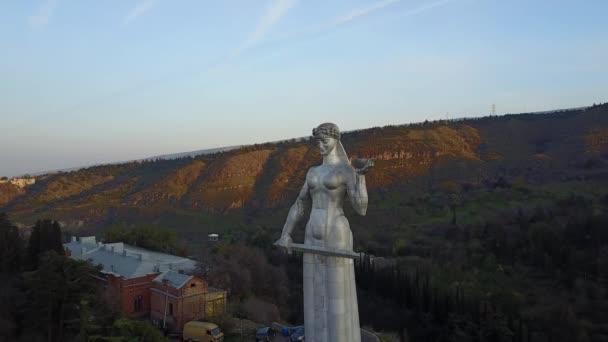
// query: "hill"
[[503, 215], [533, 147]]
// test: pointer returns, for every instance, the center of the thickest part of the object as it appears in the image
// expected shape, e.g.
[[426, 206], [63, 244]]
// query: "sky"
[[88, 82]]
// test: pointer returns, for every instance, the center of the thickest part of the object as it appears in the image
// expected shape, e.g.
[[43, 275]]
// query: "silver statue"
[[330, 296]]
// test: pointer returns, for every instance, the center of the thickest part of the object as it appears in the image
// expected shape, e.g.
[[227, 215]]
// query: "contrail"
[[278, 9], [353, 16], [273, 14], [360, 12], [254, 42], [43, 14], [140, 9]]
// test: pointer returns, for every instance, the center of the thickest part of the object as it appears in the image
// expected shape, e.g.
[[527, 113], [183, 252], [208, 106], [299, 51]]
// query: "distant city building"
[[22, 182], [144, 282]]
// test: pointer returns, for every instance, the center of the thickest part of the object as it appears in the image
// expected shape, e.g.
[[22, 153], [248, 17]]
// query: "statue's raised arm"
[[355, 184]]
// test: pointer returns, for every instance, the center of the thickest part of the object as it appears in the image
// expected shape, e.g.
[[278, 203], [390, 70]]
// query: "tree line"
[[47, 296], [392, 299]]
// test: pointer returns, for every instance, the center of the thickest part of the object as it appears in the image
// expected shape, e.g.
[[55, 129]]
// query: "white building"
[[22, 182]]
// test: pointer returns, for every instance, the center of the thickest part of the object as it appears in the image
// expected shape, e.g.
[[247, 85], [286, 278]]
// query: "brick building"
[[179, 298], [144, 282]]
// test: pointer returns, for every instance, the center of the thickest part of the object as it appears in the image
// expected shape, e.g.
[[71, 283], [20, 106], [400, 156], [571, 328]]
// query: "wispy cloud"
[[273, 14], [351, 17], [140, 9], [365, 11], [360, 12], [43, 14], [425, 7]]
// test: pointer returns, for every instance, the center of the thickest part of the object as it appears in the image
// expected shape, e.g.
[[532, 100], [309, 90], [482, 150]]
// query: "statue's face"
[[326, 145]]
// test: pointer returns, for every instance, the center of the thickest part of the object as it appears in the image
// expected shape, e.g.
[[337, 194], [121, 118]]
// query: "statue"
[[330, 296]]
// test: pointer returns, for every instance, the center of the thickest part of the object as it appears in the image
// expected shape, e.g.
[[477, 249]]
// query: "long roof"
[[125, 260]]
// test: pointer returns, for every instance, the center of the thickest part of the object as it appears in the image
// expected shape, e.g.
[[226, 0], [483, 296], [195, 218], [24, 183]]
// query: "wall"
[[158, 297], [129, 289], [189, 303]]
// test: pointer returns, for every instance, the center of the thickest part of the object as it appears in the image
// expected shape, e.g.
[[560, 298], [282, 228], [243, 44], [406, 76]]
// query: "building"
[[143, 282], [178, 298], [22, 182]]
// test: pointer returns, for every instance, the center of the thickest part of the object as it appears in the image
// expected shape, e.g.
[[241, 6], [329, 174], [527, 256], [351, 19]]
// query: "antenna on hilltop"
[[493, 109]]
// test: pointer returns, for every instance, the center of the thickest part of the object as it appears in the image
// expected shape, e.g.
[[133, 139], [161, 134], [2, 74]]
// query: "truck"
[[195, 331]]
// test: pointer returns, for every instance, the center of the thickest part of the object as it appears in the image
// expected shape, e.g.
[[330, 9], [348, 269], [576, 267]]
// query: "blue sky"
[[85, 82]]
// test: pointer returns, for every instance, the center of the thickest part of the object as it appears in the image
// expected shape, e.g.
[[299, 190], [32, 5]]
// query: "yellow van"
[[202, 332]]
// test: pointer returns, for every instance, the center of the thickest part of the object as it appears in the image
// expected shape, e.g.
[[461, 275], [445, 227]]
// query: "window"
[[193, 285], [171, 309], [138, 303], [214, 307]]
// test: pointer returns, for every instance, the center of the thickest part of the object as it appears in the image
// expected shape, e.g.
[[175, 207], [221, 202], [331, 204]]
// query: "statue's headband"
[[326, 131]]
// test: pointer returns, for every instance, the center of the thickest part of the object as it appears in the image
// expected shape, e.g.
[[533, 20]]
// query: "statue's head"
[[327, 135]]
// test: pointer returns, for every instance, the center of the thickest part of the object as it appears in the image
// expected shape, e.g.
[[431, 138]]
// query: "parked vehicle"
[[298, 334], [195, 331], [265, 334]]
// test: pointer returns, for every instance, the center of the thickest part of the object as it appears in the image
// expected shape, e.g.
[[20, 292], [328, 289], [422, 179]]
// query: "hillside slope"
[[529, 147]]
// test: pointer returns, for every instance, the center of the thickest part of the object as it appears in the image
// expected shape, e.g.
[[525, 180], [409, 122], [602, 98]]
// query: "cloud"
[[360, 12], [274, 13], [352, 16], [140, 9], [43, 14], [425, 7]]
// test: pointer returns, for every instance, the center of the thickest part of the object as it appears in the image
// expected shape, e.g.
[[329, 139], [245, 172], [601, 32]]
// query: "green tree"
[[147, 236], [59, 291], [11, 246], [45, 236]]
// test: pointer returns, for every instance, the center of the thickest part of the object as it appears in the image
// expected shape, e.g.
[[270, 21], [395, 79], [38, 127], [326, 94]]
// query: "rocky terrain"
[[529, 147]]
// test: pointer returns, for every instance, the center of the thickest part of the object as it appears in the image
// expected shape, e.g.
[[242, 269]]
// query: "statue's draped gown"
[[330, 297]]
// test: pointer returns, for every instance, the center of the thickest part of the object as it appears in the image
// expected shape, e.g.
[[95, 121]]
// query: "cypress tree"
[[33, 246], [11, 246], [45, 236], [55, 238]]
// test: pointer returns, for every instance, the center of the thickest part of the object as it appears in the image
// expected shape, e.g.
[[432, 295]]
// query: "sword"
[[327, 251]]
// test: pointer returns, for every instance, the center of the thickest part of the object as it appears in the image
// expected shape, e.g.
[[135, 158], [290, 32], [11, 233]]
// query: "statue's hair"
[[326, 130]]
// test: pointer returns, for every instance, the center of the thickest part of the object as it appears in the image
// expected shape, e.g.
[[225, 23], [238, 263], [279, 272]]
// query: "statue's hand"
[[285, 243], [362, 166]]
